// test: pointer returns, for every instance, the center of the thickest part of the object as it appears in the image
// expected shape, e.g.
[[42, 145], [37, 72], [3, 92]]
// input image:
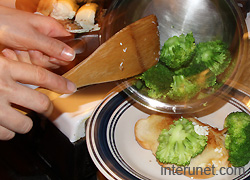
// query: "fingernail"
[[9, 54], [68, 54], [5, 51], [53, 60], [71, 86], [17, 51], [39, 13], [58, 62], [27, 126]]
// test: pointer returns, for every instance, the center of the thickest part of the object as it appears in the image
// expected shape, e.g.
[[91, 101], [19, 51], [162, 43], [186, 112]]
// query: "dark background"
[[46, 154]]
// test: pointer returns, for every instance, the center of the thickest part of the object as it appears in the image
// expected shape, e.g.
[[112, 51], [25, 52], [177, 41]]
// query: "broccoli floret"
[[158, 79], [178, 51], [238, 138], [192, 69], [189, 69], [198, 74], [180, 143], [214, 54], [182, 89], [204, 79]]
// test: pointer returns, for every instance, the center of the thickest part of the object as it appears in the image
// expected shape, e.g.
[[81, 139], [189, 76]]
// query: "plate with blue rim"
[[114, 150]]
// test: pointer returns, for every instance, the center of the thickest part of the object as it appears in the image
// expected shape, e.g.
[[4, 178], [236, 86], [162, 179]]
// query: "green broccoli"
[[180, 143], [186, 69], [158, 79], [182, 89], [238, 138], [199, 74], [178, 51], [214, 55], [192, 69]]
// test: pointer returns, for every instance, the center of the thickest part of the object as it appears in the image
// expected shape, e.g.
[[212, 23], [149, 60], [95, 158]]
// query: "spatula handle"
[[51, 94]]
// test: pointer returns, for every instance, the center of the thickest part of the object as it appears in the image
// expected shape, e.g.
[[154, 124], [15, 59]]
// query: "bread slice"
[[213, 157]]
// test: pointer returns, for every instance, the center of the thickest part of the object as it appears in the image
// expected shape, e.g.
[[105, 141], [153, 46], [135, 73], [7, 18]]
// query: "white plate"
[[114, 150]]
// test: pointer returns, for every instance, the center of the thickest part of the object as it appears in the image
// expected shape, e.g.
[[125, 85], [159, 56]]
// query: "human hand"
[[35, 34], [12, 92], [33, 57]]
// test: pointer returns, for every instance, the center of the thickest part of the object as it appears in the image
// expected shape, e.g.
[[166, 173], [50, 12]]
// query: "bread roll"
[[85, 17], [64, 9], [45, 7]]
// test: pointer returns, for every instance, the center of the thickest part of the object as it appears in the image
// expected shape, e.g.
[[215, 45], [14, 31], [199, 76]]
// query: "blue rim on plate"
[[97, 137], [102, 143]]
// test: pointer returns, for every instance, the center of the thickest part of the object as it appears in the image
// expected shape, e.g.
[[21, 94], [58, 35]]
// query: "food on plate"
[[181, 142], [187, 69], [171, 139], [238, 138], [64, 9], [75, 15]]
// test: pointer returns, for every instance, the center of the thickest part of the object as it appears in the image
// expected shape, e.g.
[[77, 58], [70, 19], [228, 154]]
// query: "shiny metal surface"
[[199, 16], [207, 19]]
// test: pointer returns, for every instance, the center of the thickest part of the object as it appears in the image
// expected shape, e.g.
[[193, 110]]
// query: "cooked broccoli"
[[180, 143], [158, 79], [238, 138], [192, 69], [178, 51], [182, 89], [199, 74], [214, 55], [189, 69]]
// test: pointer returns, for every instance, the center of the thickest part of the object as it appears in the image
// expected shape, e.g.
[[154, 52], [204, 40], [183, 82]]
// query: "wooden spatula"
[[129, 52]]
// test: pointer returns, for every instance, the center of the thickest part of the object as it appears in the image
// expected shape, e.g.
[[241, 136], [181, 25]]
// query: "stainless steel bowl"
[[207, 19]]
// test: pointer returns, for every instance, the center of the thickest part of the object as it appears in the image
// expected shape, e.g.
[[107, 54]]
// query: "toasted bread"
[[214, 155]]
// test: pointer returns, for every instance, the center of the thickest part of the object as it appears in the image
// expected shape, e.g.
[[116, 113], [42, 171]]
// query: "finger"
[[53, 47], [31, 99], [49, 27], [32, 57], [38, 58], [58, 62], [14, 120], [37, 33], [6, 134], [23, 56], [10, 54], [31, 74]]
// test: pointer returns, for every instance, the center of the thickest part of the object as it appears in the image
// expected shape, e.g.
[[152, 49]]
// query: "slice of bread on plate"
[[214, 157]]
